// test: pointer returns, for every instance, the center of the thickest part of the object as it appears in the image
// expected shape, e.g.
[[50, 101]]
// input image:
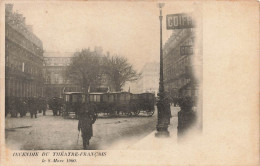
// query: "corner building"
[[23, 57], [179, 80]]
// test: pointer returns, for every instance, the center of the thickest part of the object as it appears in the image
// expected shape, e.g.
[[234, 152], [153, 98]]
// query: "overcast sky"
[[129, 29]]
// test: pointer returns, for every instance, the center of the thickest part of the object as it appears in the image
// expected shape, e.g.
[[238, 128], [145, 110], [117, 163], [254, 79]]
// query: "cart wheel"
[[129, 114], [137, 112], [150, 113], [112, 112]]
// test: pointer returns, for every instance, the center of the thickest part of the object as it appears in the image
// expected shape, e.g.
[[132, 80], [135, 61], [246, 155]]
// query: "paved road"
[[56, 133]]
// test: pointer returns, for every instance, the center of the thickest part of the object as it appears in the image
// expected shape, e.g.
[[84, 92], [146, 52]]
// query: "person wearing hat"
[[87, 118], [32, 105]]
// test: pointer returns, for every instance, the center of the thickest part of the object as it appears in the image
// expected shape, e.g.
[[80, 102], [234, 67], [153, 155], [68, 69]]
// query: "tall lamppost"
[[163, 105]]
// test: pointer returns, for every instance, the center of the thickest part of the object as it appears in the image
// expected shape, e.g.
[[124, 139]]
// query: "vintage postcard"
[[129, 83]]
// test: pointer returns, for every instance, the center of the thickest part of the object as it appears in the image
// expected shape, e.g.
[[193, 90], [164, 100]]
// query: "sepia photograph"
[[120, 80], [69, 88]]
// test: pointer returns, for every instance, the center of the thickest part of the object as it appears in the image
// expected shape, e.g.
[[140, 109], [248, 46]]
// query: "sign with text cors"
[[179, 21], [186, 50]]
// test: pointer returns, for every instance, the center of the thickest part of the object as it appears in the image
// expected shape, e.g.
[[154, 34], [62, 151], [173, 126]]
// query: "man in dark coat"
[[54, 106], [87, 117], [32, 107], [13, 106], [22, 108], [38, 104], [44, 106], [59, 106]]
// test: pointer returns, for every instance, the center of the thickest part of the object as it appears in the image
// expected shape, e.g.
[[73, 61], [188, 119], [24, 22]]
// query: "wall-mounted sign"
[[179, 21], [186, 50]]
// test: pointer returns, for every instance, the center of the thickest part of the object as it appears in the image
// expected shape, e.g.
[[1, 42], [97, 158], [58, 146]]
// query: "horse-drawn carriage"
[[72, 102], [55, 104], [116, 103], [143, 102], [110, 103]]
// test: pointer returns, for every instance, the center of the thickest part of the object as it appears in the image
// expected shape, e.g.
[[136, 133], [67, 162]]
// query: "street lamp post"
[[163, 105]]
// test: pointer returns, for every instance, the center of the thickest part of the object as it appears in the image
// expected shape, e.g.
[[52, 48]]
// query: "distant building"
[[149, 82], [54, 70], [178, 68], [55, 64], [23, 57]]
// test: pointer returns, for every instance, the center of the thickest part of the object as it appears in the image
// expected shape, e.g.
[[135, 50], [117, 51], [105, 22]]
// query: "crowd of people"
[[176, 101], [20, 106]]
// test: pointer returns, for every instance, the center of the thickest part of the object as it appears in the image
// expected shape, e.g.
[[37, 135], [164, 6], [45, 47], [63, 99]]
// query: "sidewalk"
[[150, 142]]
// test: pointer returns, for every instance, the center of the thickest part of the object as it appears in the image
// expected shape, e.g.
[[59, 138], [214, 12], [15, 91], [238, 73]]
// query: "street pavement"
[[150, 142], [56, 133]]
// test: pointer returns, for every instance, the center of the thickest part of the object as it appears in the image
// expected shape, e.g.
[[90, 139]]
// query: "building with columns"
[[23, 57]]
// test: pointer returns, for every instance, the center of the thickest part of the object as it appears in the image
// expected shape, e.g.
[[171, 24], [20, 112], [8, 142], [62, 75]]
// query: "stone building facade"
[[55, 83], [23, 57], [54, 67], [178, 68]]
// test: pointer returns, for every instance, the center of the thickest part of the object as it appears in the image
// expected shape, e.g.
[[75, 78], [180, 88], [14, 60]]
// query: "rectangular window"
[[105, 98], [116, 97], [67, 98], [91, 97], [111, 98], [83, 98], [97, 98], [56, 79], [74, 98], [122, 97]]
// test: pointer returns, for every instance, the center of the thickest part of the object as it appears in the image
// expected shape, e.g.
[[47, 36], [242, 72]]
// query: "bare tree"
[[85, 69], [120, 71]]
